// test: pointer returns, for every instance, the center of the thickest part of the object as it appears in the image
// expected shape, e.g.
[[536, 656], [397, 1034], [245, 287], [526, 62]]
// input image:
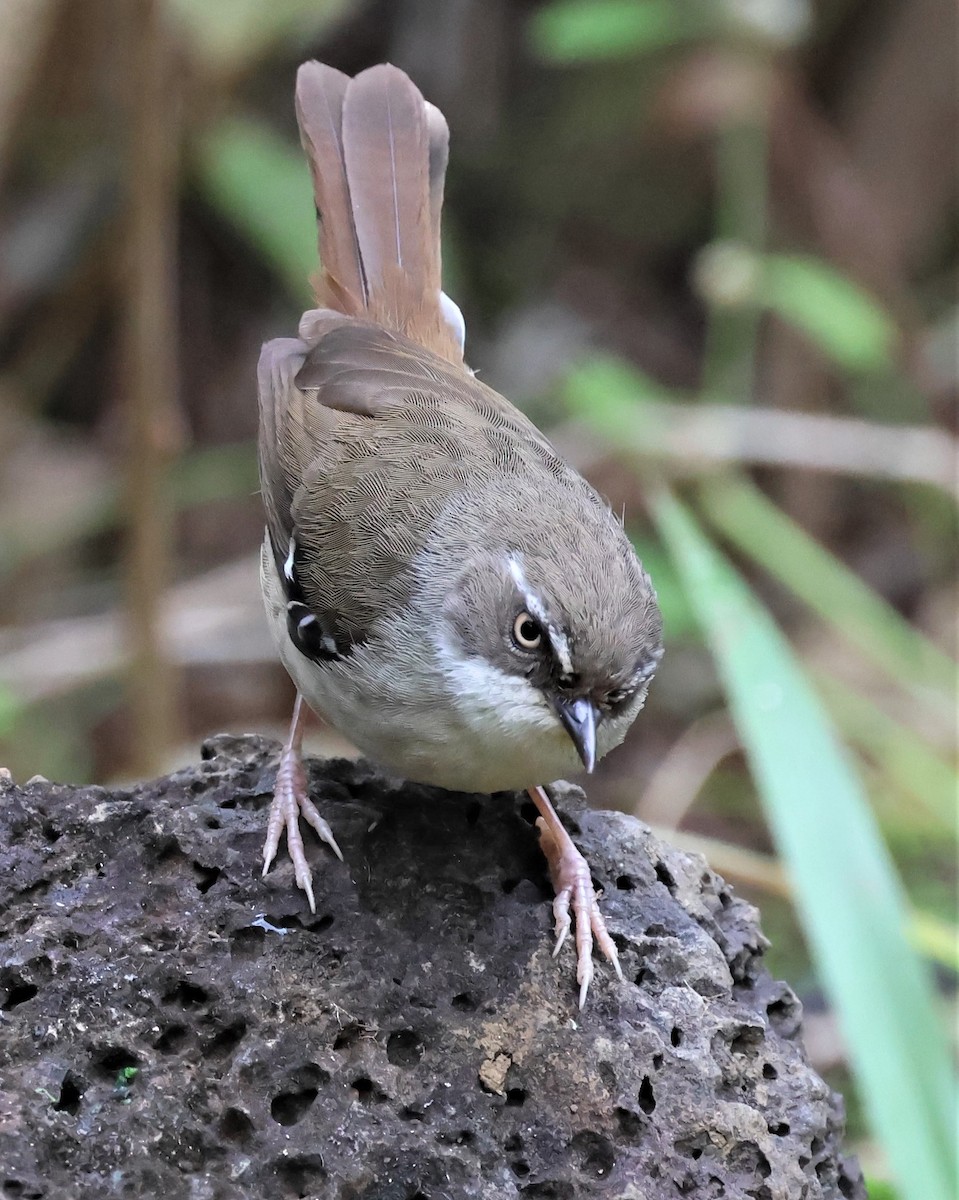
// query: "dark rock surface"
[[173, 1026]]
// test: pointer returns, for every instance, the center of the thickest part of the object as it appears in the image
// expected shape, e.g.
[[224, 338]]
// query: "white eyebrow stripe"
[[560, 646], [536, 608]]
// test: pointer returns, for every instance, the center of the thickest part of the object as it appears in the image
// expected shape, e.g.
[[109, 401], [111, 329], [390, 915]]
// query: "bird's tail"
[[378, 154]]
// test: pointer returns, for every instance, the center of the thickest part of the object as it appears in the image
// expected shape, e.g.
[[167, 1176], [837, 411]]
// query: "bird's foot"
[[573, 886], [291, 800]]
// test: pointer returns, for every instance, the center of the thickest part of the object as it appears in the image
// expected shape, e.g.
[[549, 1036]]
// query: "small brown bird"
[[443, 588]]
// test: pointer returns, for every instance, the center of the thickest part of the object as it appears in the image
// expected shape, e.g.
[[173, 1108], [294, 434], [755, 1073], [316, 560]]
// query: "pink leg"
[[291, 799], [569, 872]]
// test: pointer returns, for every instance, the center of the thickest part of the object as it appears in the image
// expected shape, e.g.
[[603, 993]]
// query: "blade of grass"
[[761, 530], [898, 752], [847, 891]]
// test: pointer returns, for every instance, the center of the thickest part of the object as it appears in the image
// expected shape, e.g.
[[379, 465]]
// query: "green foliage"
[[761, 530], [847, 891], [260, 183], [842, 320], [578, 31]]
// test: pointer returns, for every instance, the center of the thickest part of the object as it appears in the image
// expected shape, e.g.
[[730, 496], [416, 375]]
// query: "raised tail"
[[378, 156]]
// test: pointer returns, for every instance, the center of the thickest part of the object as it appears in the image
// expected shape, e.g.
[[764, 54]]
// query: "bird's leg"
[[569, 872], [291, 798]]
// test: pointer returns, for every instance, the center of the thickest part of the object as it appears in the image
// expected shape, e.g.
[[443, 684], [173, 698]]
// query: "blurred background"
[[712, 248]]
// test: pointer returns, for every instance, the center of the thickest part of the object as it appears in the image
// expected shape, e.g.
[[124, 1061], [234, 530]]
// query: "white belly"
[[430, 717]]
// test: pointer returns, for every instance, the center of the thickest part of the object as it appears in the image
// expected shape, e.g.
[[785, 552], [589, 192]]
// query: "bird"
[[442, 586]]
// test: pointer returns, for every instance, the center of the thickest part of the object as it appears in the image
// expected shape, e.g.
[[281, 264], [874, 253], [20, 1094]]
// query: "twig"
[[684, 769], [706, 434], [150, 358]]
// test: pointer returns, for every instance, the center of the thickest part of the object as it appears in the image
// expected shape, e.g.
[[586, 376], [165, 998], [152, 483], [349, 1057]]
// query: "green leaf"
[[838, 315], [847, 892], [232, 34], [899, 754], [261, 184], [762, 531], [578, 31], [879, 1189], [619, 402]]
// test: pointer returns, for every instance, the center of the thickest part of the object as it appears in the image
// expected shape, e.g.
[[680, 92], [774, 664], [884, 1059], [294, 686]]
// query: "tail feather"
[[386, 149], [378, 156], [320, 91], [439, 139]]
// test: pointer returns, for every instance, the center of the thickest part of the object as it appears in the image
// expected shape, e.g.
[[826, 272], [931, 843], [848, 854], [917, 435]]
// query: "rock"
[[172, 1025]]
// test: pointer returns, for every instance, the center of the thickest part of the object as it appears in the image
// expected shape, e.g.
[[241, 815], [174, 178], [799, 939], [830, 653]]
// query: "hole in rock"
[[519, 1168], [236, 1126], [513, 1143], [112, 1060], [779, 1129], [289, 1108], [168, 850], [186, 995], [597, 1156], [625, 883], [206, 877], [300, 1174], [629, 1124], [366, 1090], [50, 832], [515, 1097], [464, 1002], [404, 1048], [675, 1036], [225, 1040], [665, 877], [529, 812], [657, 1061], [171, 1039], [18, 992], [782, 1012], [747, 1040], [647, 1100], [348, 1036], [657, 931], [71, 1094], [247, 943], [769, 1071]]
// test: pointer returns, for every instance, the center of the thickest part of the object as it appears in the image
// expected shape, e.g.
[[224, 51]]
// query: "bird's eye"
[[527, 633]]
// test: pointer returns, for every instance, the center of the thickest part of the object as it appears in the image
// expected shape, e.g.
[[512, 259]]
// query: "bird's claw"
[[291, 800]]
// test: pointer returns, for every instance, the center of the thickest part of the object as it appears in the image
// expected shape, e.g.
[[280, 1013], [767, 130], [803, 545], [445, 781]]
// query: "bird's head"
[[574, 636]]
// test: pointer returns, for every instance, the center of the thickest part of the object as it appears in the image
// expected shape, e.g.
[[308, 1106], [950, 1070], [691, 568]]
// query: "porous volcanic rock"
[[172, 1025]]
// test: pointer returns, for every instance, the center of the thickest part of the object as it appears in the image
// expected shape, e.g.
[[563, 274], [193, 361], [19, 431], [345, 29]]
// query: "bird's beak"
[[579, 721]]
